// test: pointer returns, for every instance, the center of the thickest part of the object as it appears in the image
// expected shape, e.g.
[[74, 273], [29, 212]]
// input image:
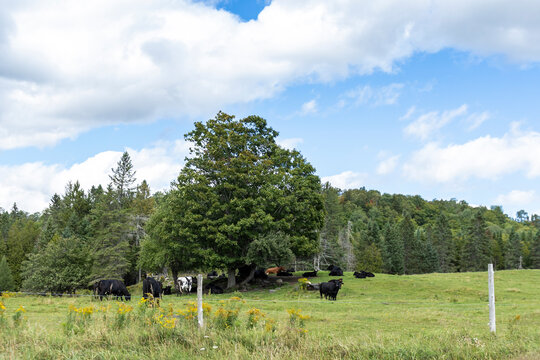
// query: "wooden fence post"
[[491, 285], [199, 301]]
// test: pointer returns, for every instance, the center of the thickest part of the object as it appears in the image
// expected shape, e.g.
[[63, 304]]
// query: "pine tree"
[[111, 248], [123, 178], [393, 250], [514, 250], [476, 251], [443, 244], [535, 251], [412, 247], [6, 279]]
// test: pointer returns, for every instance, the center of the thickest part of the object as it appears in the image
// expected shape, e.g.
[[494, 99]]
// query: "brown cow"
[[274, 270]]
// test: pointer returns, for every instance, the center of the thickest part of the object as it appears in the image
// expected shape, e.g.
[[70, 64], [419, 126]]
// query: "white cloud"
[[291, 143], [346, 180], [516, 198], [385, 95], [425, 125], [388, 165], [483, 158], [67, 67], [477, 119], [309, 107], [31, 185], [409, 113]]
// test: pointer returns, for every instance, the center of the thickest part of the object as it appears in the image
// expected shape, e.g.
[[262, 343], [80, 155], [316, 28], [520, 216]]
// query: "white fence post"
[[199, 301], [491, 285]]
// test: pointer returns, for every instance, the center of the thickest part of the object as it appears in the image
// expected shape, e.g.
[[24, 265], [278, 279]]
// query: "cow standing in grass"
[[151, 288], [330, 289]]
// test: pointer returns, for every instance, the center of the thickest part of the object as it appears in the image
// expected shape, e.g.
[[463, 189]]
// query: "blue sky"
[[422, 97]]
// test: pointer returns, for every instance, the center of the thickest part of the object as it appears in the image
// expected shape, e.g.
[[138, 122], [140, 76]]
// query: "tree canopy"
[[238, 185]]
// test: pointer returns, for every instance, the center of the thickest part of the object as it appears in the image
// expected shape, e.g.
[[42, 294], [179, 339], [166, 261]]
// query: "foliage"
[[238, 185], [271, 249], [62, 267], [6, 279]]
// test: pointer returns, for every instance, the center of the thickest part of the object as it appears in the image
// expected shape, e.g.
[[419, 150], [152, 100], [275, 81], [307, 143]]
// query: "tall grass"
[[437, 316]]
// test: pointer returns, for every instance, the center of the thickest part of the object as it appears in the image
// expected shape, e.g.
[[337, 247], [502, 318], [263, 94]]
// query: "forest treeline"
[[248, 202]]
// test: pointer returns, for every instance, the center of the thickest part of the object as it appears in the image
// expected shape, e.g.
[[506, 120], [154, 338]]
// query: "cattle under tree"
[[185, 284], [151, 287], [111, 287], [330, 289], [336, 271], [214, 289], [284, 273]]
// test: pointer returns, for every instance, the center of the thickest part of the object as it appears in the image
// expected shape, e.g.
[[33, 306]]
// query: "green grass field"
[[433, 316]]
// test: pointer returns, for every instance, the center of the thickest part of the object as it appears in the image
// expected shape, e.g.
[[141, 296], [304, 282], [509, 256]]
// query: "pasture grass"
[[432, 316]]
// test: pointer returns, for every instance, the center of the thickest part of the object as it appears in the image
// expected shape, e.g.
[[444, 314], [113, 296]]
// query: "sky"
[[423, 97]]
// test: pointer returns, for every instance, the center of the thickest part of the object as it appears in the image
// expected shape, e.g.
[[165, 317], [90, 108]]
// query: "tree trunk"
[[231, 280], [250, 276], [175, 279]]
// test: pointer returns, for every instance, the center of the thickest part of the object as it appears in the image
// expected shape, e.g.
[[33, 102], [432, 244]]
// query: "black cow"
[[330, 289], [167, 290], [112, 287], [214, 289], [151, 287], [363, 274], [330, 267], [260, 274], [212, 275], [284, 273], [336, 271], [310, 274]]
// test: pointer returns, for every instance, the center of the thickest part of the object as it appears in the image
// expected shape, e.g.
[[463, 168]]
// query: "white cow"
[[185, 283]]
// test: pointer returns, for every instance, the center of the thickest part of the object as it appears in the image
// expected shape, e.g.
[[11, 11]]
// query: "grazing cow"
[[185, 284], [274, 270], [112, 287], [330, 289], [284, 273], [212, 275], [151, 287], [214, 289], [310, 274], [336, 271], [260, 274]]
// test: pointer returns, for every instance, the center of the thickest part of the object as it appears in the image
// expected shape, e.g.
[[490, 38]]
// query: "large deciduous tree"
[[238, 185]]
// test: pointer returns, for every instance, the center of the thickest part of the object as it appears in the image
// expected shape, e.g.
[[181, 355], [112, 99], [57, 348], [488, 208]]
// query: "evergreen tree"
[[6, 279], [476, 251], [394, 252], [123, 178], [514, 251], [412, 247], [443, 244], [535, 251], [112, 230], [369, 259]]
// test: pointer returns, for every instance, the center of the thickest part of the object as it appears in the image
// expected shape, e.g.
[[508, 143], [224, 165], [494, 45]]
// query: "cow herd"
[[186, 284]]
